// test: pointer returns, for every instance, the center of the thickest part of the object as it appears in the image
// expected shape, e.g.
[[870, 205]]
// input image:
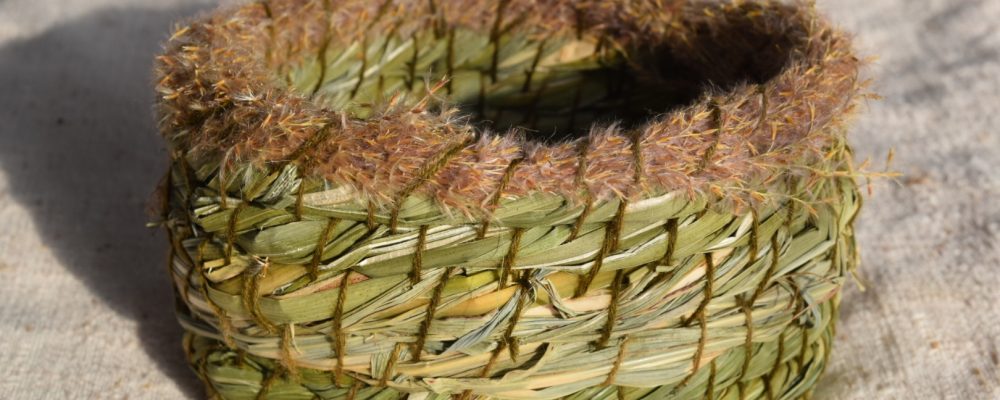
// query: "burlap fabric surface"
[[85, 305]]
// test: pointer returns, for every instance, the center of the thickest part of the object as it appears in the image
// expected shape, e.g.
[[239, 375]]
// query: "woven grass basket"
[[509, 199]]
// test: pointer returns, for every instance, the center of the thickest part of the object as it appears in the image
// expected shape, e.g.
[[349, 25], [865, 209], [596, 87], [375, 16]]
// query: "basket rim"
[[219, 102]]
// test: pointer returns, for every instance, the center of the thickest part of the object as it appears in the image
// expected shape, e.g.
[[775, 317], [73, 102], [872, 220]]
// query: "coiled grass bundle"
[[509, 199]]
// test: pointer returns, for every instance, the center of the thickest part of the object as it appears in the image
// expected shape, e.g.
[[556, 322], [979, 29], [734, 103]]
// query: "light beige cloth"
[[85, 304]]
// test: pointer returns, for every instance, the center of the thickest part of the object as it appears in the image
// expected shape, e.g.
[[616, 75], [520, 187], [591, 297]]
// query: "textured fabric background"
[[85, 305]]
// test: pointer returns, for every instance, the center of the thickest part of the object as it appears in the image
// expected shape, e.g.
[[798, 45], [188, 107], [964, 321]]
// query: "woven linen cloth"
[[85, 304]]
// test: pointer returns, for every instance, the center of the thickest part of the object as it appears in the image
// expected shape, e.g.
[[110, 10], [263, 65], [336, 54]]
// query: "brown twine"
[[353, 392], [696, 360], [364, 66], [587, 207], [390, 366], [581, 173], [609, 324], [775, 260], [450, 58], [298, 200], [210, 391], [507, 342], [287, 359], [411, 76], [754, 236], [485, 373], [707, 291], [268, 383], [717, 118], [241, 357], [637, 159], [370, 218], [513, 346], [320, 247], [231, 230], [790, 215], [668, 256], [438, 19], [336, 329], [428, 172], [710, 390], [225, 324], [187, 344], [316, 139], [703, 325], [425, 325], [251, 296], [379, 13], [616, 286], [619, 359], [507, 264], [495, 38], [418, 255], [498, 193], [762, 90], [702, 318], [800, 309], [612, 231], [234, 217], [619, 276], [748, 304], [530, 73], [767, 388], [321, 55]]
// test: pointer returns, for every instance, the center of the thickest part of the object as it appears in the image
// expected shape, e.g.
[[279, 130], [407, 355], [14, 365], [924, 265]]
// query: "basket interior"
[[551, 88]]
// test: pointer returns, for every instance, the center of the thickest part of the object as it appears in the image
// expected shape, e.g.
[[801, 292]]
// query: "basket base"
[[781, 369]]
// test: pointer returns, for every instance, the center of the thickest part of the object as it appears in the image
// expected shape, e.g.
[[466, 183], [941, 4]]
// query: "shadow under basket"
[[498, 199]]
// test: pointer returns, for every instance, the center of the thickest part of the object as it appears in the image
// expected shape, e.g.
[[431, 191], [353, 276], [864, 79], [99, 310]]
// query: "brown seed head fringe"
[[218, 96], [509, 199]]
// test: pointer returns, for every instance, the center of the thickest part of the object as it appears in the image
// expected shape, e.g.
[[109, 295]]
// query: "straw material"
[[667, 214]]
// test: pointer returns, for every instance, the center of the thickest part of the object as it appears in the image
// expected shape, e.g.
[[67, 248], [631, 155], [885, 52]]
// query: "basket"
[[509, 199]]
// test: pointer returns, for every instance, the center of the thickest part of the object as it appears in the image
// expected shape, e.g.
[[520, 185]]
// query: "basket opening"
[[553, 89]]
